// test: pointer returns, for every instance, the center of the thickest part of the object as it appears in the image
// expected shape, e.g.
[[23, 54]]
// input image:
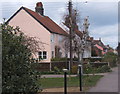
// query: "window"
[[52, 38], [52, 54], [60, 38], [42, 55]]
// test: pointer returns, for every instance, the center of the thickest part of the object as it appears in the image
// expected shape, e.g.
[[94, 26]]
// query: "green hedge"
[[63, 59], [89, 69]]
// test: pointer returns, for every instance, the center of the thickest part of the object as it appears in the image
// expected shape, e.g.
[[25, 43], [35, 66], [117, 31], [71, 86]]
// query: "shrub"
[[58, 59], [56, 70], [63, 59], [48, 72], [90, 69], [17, 72], [103, 69], [111, 58], [74, 69], [87, 69]]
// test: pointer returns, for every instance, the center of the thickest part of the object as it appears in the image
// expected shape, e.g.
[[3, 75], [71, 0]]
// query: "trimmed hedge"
[[89, 69]]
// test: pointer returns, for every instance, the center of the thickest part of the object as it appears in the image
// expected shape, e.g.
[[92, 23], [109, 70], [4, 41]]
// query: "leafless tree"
[[74, 42], [70, 21]]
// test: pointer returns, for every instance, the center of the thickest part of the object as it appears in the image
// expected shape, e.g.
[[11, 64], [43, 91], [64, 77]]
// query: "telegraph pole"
[[70, 32]]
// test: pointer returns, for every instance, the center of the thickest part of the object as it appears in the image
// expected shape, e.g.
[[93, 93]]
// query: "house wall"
[[57, 40], [87, 51], [32, 28]]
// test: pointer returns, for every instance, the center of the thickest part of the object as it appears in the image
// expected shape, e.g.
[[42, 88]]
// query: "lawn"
[[87, 81]]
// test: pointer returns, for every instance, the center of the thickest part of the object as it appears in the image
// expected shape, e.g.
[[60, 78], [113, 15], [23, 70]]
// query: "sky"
[[103, 15]]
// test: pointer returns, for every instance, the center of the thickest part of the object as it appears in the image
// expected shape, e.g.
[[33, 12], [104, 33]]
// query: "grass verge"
[[87, 81]]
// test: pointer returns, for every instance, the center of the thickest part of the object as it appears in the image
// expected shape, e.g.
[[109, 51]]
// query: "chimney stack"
[[39, 8], [99, 39]]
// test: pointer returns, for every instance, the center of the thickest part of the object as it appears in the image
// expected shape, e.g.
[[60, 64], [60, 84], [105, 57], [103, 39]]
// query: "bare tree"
[[70, 21], [74, 42]]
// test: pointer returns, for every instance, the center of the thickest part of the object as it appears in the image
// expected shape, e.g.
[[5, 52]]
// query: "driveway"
[[109, 83]]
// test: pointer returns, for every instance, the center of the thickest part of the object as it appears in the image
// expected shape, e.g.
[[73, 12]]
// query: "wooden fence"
[[49, 66]]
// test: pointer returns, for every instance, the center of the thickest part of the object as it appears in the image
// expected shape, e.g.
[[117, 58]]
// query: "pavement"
[[108, 83], [56, 76], [59, 76]]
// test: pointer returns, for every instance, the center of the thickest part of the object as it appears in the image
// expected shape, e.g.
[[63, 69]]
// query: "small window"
[[42, 55], [52, 38], [52, 54], [60, 38]]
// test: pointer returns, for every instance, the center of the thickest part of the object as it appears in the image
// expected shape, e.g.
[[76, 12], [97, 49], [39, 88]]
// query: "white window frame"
[[42, 55]]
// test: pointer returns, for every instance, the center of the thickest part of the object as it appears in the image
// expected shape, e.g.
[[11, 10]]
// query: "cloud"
[[55, 10], [60, 0], [100, 14], [109, 34], [119, 32]]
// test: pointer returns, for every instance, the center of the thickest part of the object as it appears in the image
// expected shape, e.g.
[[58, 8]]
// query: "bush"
[[56, 70], [103, 69], [63, 59], [17, 72], [87, 69], [47, 72], [111, 58], [74, 69], [58, 59]]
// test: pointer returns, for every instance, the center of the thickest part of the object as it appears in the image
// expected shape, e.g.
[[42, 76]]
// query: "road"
[[109, 83]]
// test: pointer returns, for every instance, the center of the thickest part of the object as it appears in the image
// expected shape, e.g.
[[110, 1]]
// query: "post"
[[69, 65], [71, 34], [80, 77], [50, 66], [65, 81]]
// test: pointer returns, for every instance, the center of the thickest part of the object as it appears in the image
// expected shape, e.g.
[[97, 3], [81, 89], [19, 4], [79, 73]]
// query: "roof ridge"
[[48, 23]]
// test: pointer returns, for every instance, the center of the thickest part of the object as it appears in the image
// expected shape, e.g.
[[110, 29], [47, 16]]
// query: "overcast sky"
[[103, 16]]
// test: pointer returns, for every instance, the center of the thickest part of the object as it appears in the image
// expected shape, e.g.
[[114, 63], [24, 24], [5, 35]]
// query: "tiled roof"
[[99, 42], [99, 47], [49, 24], [79, 33], [96, 41]]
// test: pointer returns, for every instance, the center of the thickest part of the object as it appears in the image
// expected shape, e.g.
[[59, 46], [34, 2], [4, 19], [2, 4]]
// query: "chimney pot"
[[39, 4], [39, 8]]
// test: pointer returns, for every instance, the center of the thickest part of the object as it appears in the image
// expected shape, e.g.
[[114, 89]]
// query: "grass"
[[87, 81]]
